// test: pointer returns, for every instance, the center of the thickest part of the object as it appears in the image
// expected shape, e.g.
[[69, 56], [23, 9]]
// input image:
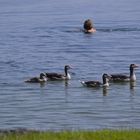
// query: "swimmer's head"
[[88, 25]]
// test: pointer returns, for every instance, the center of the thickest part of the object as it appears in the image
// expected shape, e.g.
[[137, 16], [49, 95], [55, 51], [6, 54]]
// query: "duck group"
[[44, 77], [106, 78]]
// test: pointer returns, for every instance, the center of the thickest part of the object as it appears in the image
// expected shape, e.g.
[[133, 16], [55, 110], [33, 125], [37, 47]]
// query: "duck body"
[[119, 77], [91, 83], [97, 84], [57, 76], [125, 78], [40, 79]]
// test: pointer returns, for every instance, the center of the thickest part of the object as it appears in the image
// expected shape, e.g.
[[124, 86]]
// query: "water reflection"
[[132, 88], [66, 83], [42, 85], [105, 91]]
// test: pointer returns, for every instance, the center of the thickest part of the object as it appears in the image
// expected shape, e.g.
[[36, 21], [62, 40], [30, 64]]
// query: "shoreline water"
[[43, 36]]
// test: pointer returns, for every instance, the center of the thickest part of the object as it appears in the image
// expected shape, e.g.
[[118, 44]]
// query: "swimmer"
[[88, 27]]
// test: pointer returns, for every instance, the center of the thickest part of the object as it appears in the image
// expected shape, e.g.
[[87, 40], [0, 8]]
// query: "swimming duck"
[[40, 79], [105, 83], [123, 77], [57, 76]]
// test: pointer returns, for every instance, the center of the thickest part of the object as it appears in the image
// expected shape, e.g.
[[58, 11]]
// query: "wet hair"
[[88, 24]]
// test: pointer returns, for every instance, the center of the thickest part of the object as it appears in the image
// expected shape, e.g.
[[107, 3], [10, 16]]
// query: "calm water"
[[43, 36]]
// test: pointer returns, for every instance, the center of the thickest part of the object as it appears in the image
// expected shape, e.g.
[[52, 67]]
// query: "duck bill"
[[70, 67], [109, 77], [136, 66]]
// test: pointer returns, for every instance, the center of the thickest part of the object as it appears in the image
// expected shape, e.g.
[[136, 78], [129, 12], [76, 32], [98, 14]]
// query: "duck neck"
[[67, 75], [66, 72], [43, 77], [132, 75], [105, 82], [131, 72]]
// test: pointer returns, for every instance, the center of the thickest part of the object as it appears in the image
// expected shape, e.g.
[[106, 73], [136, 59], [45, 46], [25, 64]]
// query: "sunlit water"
[[43, 36]]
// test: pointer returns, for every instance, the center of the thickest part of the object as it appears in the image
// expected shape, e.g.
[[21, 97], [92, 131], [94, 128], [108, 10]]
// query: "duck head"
[[106, 78], [42, 76]]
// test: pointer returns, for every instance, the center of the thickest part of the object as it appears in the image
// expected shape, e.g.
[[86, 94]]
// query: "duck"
[[125, 78], [40, 79], [58, 76], [95, 84]]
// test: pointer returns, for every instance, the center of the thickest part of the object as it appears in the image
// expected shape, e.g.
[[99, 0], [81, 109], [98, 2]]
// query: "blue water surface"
[[43, 36]]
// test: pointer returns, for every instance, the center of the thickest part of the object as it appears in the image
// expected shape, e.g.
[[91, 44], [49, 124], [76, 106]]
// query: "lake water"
[[43, 36]]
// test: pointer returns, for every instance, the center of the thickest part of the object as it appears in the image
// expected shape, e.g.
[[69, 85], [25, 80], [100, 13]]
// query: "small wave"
[[121, 29], [118, 29], [44, 36], [16, 130], [10, 63], [74, 31], [7, 62]]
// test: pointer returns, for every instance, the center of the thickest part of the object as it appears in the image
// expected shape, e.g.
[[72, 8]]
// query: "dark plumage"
[[123, 77], [105, 83], [40, 79], [57, 76]]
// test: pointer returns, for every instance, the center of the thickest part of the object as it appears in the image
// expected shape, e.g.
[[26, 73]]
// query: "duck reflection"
[[105, 91], [132, 87], [66, 83]]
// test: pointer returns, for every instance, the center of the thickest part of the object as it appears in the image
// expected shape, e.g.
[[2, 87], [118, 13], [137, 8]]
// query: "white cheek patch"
[[68, 76]]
